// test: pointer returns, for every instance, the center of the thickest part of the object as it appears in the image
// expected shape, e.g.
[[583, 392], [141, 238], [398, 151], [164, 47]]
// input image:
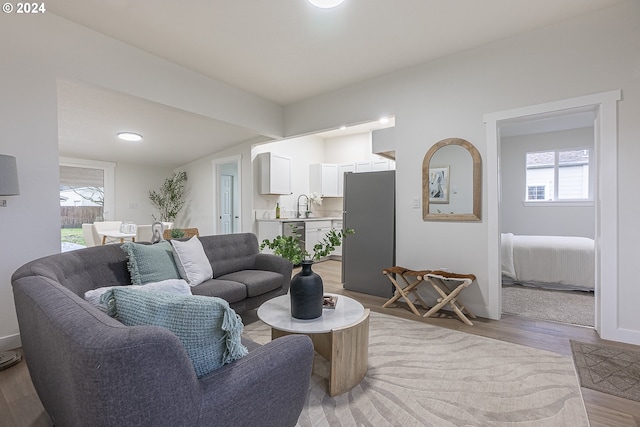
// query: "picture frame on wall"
[[439, 184]]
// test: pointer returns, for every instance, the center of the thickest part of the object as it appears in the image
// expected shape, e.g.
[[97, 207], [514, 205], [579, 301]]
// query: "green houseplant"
[[169, 199], [288, 247], [306, 290]]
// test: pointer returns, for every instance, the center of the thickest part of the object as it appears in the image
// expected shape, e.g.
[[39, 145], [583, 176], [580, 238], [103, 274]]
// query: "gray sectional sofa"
[[90, 369]]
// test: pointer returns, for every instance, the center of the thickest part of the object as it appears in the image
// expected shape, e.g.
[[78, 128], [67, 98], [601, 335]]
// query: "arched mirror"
[[452, 182]]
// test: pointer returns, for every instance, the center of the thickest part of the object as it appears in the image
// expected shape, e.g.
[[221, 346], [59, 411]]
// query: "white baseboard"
[[10, 342]]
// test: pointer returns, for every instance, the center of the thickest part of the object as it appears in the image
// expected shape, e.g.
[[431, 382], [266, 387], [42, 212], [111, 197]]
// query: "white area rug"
[[422, 375]]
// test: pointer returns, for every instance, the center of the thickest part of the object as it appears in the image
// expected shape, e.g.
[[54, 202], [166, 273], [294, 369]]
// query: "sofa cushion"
[[257, 282], [150, 263], [207, 327], [227, 290], [230, 252], [192, 262]]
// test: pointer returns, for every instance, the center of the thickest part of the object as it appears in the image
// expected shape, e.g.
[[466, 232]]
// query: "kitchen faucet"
[[306, 207]]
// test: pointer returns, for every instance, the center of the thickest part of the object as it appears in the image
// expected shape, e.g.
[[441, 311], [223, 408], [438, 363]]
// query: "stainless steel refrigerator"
[[369, 209]]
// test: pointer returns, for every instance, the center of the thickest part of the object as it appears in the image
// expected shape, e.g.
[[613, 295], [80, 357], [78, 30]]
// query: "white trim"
[[562, 203], [10, 342], [108, 168], [606, 203], [216, 196]]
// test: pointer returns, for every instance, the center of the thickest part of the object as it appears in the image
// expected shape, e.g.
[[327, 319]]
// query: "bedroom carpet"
[[574, 307], [423, 375], [608, 369]]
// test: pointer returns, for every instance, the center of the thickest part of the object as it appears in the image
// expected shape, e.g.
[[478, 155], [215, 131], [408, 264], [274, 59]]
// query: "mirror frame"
[[477, 182]]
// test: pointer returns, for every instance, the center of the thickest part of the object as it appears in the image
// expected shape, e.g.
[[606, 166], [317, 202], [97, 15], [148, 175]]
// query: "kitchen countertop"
[[315, 218]]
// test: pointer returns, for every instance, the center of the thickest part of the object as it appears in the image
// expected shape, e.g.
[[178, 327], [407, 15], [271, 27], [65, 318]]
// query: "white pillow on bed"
[[508, 268], [174, 286]]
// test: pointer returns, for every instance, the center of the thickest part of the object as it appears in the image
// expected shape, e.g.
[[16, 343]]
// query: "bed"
[[553, 262]]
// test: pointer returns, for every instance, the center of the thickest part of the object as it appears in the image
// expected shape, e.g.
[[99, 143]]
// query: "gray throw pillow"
[[150, 263], [207, 327]]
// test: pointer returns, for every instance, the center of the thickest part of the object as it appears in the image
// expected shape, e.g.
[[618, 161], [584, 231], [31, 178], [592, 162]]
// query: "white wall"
[[200, 209], [541, 220], [30, 224], [132, 185], [449, 97], [349, 148]]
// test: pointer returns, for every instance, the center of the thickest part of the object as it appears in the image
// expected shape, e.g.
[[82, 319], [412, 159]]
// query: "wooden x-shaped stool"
[[411, 281], [439, 279]]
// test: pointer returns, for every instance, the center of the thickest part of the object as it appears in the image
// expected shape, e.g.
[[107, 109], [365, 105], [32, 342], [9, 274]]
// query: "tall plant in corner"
[[169, 199]]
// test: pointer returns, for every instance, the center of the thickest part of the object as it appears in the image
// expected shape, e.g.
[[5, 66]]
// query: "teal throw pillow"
[[150, 263], [207, 327]]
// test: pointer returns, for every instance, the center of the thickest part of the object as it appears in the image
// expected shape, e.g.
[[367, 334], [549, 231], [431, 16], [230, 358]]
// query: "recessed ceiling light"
[[384, 120], [130, 136], [326, 4]]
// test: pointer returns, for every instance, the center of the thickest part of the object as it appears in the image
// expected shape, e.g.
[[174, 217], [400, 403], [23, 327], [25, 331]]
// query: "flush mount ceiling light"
[[326, 4], [130, 136]]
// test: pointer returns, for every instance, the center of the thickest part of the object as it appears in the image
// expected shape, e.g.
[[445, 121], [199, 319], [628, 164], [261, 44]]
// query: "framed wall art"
[[439, 184]]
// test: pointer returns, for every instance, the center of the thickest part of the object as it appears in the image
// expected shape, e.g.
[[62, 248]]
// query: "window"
[[86, 195], [559, 176], [535, 192]]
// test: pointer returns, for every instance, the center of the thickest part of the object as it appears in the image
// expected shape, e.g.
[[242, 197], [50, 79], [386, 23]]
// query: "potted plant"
[[169, 199], [306, 289]]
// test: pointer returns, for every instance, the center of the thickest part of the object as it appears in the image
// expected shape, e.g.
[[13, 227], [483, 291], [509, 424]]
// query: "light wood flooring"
[[20, 406]]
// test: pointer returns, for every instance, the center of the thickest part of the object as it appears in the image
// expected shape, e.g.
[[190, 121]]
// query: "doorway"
[[604, 106], [547, 216], [227, 195]]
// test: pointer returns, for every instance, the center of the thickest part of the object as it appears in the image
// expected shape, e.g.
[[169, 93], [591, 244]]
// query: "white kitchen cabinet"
[[363, 167], [375, 165], [275, 173], [380, 165], [342, 169], [337, 225], [268, 230], [315, 231], [323, 179]]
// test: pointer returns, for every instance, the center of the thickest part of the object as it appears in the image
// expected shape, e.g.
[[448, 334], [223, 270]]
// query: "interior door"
[[226, 204]]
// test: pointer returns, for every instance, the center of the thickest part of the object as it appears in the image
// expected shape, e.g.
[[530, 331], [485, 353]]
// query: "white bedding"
[[552, 261]]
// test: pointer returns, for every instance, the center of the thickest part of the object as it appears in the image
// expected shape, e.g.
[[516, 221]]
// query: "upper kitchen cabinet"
[[342, 169], [323, 179], [275, 173]]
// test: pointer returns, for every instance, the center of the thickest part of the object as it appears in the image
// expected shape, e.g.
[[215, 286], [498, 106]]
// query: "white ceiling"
[[89, 119], [281, 50]]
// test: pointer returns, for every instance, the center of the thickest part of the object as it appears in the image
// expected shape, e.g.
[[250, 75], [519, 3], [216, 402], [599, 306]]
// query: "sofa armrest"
[[275, 263], [89, 369], [268, 387]]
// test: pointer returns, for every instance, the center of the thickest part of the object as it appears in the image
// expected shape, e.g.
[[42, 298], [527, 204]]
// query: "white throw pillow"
[[193, 264], [174, 286]]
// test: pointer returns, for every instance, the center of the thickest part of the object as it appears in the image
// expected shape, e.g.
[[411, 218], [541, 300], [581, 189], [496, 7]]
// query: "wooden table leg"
[[346, 349], [349, 356]]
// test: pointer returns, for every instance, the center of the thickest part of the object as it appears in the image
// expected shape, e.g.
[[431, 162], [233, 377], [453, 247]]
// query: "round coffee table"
[[340, 335]]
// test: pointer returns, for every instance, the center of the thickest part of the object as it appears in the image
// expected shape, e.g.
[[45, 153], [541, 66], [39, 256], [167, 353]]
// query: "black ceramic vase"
[[306, 293]]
